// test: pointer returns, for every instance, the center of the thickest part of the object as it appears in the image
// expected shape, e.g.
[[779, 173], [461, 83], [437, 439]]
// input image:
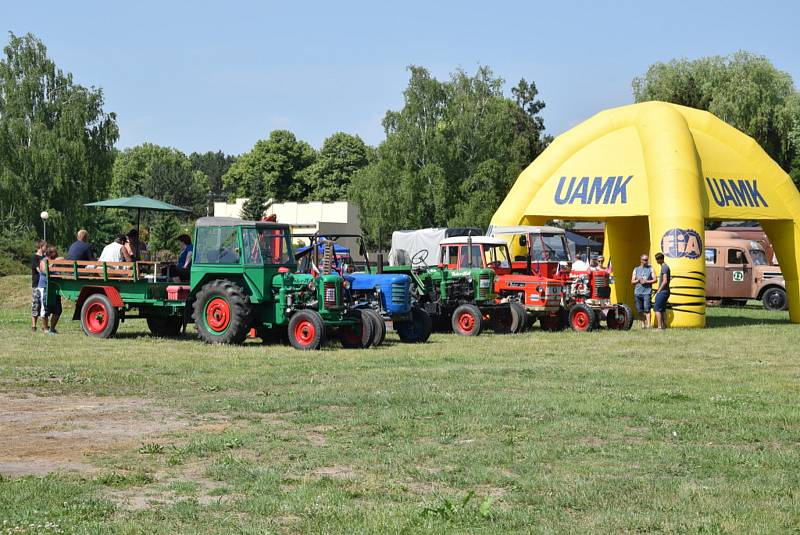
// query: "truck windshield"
[[546, 247], [266, 246], [759, 257]]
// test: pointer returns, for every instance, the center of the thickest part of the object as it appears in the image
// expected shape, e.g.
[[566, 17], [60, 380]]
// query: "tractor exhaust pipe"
[[379, 263]]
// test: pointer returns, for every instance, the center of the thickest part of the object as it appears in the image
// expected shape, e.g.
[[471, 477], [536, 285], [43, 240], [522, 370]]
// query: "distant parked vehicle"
[[738, 269]]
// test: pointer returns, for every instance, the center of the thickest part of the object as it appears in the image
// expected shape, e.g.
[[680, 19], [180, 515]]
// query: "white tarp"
[[406, 244]]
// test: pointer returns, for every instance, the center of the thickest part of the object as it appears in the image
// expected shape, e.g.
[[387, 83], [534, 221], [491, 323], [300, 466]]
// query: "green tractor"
[[459, 294], [242, 280]]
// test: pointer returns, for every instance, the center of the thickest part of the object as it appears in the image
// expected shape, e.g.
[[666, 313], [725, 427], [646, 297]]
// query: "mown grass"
[[686, 430]]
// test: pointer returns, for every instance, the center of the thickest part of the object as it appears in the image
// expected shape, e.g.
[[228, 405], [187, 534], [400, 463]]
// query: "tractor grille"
[[399, 293], [330, 294], [484, 287], [601, 280]]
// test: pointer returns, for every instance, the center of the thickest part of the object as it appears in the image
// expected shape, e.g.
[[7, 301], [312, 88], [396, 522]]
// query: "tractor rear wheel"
[[582, 317], [168, 327], [222, 313], [467, 320], [306, 330], [99, 318], [620, 318], [378, 326], [416, 331], [359, 335]]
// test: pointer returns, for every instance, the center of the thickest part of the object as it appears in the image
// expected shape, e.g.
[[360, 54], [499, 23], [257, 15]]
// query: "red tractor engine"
[[590, 302]]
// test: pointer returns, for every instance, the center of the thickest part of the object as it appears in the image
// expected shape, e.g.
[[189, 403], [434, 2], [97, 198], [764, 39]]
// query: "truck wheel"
[[168, 327], [775, 299], [520, 315], [222, 313], [358, 336], [378, 326], [581, 318], [620, 318], [467, 320], [99, 318], [306, 330], [416, 331]]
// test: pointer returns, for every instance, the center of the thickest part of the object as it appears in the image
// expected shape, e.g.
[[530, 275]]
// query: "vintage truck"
[[738, 269], [242, 279]]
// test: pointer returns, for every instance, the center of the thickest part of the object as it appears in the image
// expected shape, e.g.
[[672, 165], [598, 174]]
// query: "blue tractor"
[[384, 297]]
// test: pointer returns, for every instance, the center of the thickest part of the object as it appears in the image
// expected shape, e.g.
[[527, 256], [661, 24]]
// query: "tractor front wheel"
[[467, 320], [306, 330], [620, 318], [520, 315], [416, 331], [378, 326], [582, 318], [359, 335], [99, 318], [222, 313]]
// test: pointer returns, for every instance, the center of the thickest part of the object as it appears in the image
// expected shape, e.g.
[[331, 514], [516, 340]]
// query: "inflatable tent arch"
[[655, 172]]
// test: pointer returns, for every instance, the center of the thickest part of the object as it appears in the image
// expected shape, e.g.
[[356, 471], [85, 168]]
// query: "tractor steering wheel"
[[419, 258]]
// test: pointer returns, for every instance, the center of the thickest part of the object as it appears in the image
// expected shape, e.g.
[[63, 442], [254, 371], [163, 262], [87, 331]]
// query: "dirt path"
[[39, 435]]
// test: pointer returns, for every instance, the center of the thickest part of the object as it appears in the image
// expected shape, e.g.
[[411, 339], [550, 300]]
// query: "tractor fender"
[[110, 292]]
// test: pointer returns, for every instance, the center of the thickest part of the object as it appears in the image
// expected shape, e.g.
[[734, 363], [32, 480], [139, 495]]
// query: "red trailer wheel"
[[99, 318]]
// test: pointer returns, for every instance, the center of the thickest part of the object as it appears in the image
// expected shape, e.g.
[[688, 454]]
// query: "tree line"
[[451, 152]]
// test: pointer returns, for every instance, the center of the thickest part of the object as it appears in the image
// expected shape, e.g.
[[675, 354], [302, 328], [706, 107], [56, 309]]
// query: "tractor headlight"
[[346, 284], [539, 289]]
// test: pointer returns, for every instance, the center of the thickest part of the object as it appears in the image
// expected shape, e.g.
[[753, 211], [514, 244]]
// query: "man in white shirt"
[[115, 251]]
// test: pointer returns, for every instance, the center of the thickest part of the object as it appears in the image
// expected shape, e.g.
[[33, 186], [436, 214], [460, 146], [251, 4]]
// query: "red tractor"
[[583, 296]]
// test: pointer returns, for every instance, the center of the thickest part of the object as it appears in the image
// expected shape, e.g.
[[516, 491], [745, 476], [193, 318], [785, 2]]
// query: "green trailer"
[[242, 280]]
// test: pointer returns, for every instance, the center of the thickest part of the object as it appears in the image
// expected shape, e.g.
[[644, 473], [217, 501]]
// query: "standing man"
[[80, 248], [37, 305], [662, 294], [642, 279]]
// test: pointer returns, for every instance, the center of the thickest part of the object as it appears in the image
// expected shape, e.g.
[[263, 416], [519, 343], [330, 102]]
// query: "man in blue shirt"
[[662, 294], [643, 278], [80, 249]]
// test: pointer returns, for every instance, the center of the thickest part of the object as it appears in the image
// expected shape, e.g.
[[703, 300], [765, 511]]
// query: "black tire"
[[222, 313], [99, 318], [358, 336], [416, 331], [467, 320], [582, 318], [378, 326], [276, 335], [306, 330], [555, 323], [168, 327], [620, 318], [775, 299], [520, 323]]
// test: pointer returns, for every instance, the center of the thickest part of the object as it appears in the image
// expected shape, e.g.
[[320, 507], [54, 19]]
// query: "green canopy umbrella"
[[138, 203]]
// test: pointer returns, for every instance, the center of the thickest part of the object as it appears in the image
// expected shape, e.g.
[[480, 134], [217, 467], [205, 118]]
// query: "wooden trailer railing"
[[103, 271]]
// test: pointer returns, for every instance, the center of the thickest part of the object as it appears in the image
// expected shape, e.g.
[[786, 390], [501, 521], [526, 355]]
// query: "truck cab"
[[738, 269]]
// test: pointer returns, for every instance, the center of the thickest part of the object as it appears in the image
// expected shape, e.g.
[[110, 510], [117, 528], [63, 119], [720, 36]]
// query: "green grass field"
[[641, 431]]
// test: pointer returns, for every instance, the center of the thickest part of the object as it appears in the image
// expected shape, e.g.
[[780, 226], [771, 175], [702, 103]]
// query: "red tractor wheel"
[[99, 318], [582, 318], [620, 318], [306, 330], [467, 320]]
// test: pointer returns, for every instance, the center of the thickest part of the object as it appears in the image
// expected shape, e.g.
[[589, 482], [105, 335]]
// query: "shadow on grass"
[[714, 322]]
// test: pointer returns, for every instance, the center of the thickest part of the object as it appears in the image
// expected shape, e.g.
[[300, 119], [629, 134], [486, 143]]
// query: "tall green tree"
[[341, 155], [214, 165], [274, 165], [56, 141], [161, 173], [451, 152], [743, 89]]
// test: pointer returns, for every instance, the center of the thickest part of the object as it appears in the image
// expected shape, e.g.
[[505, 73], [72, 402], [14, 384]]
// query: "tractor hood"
[[368, 281]]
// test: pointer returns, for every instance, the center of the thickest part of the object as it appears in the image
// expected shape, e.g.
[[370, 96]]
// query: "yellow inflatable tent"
[[655, 172]]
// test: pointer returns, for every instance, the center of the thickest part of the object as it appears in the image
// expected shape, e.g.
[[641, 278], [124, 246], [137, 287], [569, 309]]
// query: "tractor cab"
[[462, 252], [540, 251]]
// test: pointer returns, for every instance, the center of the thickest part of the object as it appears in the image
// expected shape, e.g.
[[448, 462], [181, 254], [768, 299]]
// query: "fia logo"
[[682, 243]]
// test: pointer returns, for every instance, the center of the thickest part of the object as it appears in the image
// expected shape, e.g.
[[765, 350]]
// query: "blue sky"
[[220, 75]]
